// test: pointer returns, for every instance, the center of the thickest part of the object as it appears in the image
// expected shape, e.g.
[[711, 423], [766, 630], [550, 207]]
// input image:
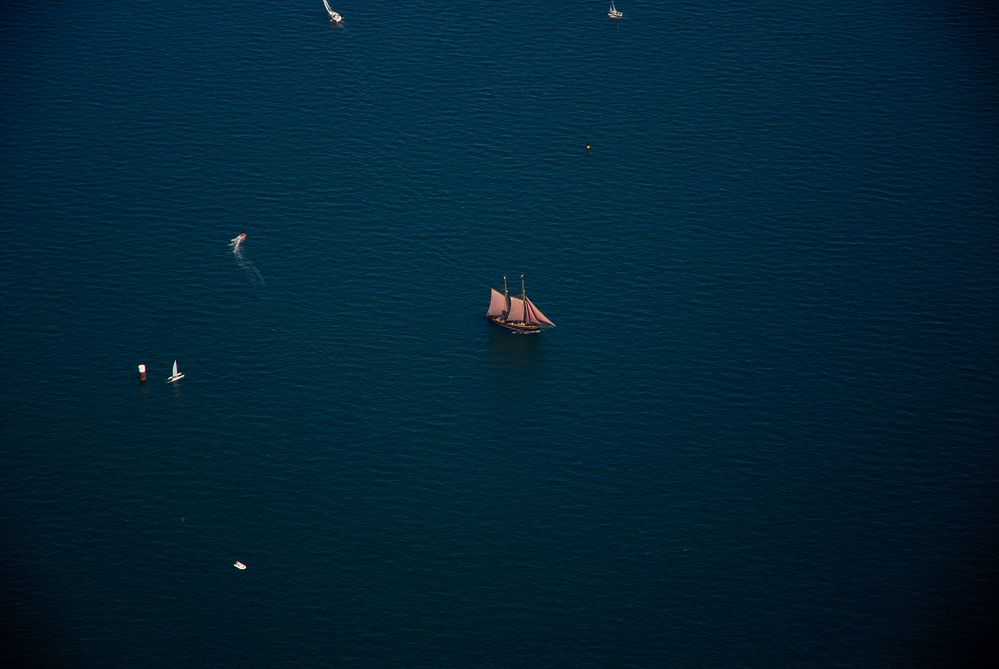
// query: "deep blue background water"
[[762, 434]]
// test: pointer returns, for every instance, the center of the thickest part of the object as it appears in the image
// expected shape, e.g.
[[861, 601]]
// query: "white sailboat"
[[334, 17], [613, 12], [177, 374]]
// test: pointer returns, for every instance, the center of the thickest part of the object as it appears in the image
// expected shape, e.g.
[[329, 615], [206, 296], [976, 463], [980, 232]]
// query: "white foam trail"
[[255, 276]]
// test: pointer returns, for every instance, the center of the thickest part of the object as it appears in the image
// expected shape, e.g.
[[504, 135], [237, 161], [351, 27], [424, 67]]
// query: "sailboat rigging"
[[334, 17], [177, 375], [516, 313]]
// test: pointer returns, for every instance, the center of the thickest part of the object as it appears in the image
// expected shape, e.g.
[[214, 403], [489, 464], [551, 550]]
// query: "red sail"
[[534, 316], [497, 303], [516, 314]]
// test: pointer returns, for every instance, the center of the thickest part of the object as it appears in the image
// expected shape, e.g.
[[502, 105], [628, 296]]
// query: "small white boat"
[[238, 565], [613, 12], [237, 241], [177, 374], [334, 17]]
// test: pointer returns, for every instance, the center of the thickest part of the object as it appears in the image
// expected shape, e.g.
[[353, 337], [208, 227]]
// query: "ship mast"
[[506, 294], [523, 297]]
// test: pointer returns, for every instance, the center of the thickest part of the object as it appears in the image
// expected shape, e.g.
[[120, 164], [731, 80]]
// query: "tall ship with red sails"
[[517, 312]]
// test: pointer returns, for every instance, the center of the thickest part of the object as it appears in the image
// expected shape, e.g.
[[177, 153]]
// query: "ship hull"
[[519, 328]]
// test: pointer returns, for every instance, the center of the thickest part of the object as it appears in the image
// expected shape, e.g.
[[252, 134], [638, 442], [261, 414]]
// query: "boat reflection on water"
[[515, 361]]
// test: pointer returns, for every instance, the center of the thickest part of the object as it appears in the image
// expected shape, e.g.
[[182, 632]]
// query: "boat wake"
[[253, 274]]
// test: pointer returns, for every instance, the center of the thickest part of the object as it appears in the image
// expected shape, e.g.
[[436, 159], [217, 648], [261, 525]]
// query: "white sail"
[[176, 374]]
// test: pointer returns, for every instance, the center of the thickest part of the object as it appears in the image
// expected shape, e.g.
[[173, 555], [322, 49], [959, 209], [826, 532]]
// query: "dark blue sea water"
[[763, 433]]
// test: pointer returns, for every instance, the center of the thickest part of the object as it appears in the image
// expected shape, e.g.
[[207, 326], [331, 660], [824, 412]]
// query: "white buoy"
[[142, 373]]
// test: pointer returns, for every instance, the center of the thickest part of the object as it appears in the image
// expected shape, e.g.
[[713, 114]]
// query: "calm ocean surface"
[[762, 435]]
